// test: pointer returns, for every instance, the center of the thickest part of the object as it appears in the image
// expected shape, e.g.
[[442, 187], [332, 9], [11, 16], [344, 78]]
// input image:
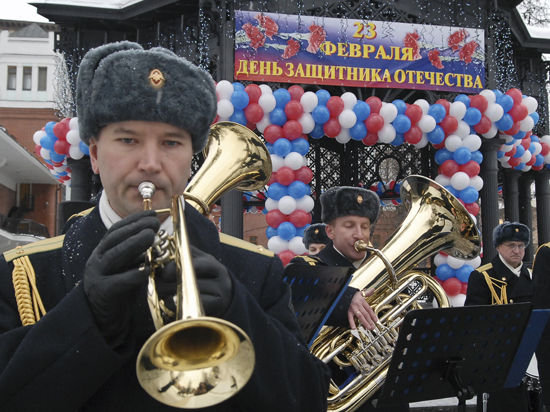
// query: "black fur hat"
[[122, 81], [346, 200], [315, 233], [511, 231]]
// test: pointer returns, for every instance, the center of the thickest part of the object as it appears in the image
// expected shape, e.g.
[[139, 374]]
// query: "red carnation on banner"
[[270, 27], [257, 38], [293, 47], [318, 36], [455, 39], [433, 55], [411, 40], [467, 51]]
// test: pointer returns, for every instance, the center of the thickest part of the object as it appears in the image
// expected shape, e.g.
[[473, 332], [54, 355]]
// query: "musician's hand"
[[214, 283], [112, 276], [360, 309]]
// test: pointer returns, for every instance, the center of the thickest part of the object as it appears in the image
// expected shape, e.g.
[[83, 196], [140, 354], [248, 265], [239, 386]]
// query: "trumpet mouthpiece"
[[146, 190]]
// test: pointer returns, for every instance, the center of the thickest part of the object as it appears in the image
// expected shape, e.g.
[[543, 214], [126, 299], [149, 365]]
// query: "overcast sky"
[[20, 10]]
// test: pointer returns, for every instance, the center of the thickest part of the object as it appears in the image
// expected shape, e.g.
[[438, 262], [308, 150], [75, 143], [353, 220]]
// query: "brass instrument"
[[436, 221], [197, 361]]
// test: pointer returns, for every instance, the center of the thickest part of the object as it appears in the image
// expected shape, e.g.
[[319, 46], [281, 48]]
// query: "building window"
[[42, 79], [27, 78], [12, 77]]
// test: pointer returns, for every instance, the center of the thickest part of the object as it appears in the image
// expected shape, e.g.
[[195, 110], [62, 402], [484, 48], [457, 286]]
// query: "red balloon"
[[526, 143], [254, 93], [471, 168], [37, 149], [531, 161], [439, 145], [511, 152], [293, 110], [60, 130], [296, 92], [513, 130], [414, 113], [285, 175], [452, 286], [375, 104], [335, 105], [332, 127], [413, 135], [445, 103], [449, 167], [61, 147], [515, 94], [518, 112], [537, 167], [370, 139], [272, 178], [292, 129], [272, 133], [514, 161], [545, 148], [479, 102], [484, 125], [464, 288], [250, 125], [274, 218], [449, 124], [254, 112], [303, 174], [374, 123], [286, 256], [299, 218], [472, 208]]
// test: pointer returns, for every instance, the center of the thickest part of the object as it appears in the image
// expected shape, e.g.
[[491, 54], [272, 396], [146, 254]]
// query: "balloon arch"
[[287, 118]]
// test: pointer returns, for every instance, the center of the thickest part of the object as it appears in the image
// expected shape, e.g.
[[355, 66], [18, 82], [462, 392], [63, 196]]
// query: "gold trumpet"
[[198, 361]]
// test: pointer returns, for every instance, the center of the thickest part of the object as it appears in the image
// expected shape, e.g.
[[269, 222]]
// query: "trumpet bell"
[[195, 363]]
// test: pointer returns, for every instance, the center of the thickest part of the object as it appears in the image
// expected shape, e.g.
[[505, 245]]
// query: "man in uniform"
[[73, 311], [315, 238], [505, 280]]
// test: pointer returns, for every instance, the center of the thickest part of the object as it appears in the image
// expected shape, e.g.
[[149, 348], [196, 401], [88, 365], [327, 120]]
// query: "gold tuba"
[[436, 221], [197, 361]]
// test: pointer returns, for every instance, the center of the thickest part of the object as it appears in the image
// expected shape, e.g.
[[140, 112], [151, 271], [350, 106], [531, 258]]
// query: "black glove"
[[112, 277]]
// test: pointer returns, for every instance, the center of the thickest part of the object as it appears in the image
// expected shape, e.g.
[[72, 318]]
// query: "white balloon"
[[386, 134], [343, 137], [506, 165], [494, 112], [45, 153], [347, 118], [453, 142], [73, 136], [277, 244], [531, 104], [287, 204], [73, 123], [39, 134], [489, 95], [455, 263], [463, 129], [457, 300], [443, 180], [422, 143], [460, 180], [545, 139], [526, 169], [296, 245], [526, 124], [388, 111], [271, 204], [526, 156], [265, 89], [307, 122], [491, 133], [457, 109], [305, 203], [75, 152], [267, 102], [476, 182], [294, 160], [538, 148], [276, 162], [262, 124], [475, 262], [309, 101], [225, 109], [424, 105], [440, 259], [224, 89], [427, 123], [349, 100], [472, 142]]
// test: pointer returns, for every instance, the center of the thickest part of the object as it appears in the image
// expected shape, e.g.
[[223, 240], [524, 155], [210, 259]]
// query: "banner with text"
[[286, 48]]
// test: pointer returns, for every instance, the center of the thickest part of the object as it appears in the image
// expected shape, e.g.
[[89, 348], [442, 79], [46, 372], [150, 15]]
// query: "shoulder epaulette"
[[485, 267], [243, 244], [34, 247], [310, 260], [80, 214]]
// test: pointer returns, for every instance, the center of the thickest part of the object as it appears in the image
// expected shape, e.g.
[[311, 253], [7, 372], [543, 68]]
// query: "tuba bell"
[[436, 221], [197, 361]]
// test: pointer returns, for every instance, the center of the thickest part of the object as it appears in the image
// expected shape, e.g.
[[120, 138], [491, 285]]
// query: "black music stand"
[[315, 292], [458, 352]]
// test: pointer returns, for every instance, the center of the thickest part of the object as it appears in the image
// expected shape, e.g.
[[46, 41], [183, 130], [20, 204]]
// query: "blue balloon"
[[506, 102], [532, 147], [300, 230], [84, 148], [322, 96], [463, 273], [497, 93], [276, 190], [464, 99], [505, 122], [282, 147], [47, 142], [277, 116], [269, 147], [442, 155], [56, 157], [539, 160], [444, 272], [358, 131], [320, 114], [472, 116], [361, 110], [500, 154], [238, 86], [451, 189], [520, 150], [317, 131], [468, 195], [519, 135], [399, 140], [437, 111], [462, 155], [436, 136], [240, 99], [477, 156], [270, 232], [519, 166], [282, 97], [300, 145], [48, 128], [401, 106], [298, 189], [401, 123], [239, 117], [535, 138], [535, 117], [286, 231]]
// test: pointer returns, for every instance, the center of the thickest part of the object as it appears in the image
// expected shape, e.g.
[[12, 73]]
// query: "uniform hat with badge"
[[511, 232], [315, 233], [347, 201], [122, 81]]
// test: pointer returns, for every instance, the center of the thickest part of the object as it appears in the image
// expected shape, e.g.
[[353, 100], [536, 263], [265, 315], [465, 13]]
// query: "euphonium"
[[436, 221], [197, 361]]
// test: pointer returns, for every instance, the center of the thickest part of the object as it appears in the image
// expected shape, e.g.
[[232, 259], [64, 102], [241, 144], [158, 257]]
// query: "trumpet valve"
[[146, 190]]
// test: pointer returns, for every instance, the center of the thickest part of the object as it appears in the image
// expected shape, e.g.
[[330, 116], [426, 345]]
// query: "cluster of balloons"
[[453, 274], [56, 142], [530, 152], [389, 193]]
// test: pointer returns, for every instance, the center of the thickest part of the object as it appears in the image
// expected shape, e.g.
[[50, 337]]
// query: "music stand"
[[457, 352], [315, 292]]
